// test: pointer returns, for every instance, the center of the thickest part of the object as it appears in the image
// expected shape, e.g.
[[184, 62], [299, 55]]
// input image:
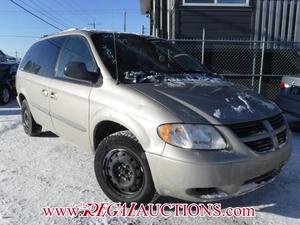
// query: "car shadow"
[[46, 134], [12, 108]]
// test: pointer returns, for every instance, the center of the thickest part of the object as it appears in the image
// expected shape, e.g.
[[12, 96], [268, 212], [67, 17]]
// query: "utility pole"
[[93, 24], [125, 21], [143, 29]]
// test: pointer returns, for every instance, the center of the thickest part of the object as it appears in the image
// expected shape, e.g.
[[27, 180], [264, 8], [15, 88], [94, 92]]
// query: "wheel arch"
[[21, 97], [108, 126]]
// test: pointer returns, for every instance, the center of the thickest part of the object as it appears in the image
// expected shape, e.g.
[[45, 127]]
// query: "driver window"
[[76, 49]]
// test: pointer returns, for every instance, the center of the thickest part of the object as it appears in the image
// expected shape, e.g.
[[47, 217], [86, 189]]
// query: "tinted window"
[[76, 49], [42, 56]]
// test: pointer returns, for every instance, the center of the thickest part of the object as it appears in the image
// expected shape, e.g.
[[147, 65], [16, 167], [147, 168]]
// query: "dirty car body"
[[204, 138]]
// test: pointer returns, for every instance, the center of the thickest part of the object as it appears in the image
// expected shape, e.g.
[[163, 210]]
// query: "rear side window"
[[41, 57]]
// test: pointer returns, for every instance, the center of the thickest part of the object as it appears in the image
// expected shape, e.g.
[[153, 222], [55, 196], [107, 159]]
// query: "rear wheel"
[[31, 128], [122, 169], [5, 95]]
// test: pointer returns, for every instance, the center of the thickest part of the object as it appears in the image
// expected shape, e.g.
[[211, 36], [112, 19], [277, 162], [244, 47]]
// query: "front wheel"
[[122, 169]]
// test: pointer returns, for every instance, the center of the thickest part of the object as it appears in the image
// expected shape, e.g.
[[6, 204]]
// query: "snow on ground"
[[49, 171]]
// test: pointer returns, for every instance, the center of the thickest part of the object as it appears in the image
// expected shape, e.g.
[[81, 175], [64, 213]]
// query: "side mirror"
[[78, 70]]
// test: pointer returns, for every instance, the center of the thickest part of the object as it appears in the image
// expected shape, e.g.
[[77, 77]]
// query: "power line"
[[17, 36], [33, 14], [78, 10], [75, 3], [72, 6], [47, 13], [62, 12], [42, 13]]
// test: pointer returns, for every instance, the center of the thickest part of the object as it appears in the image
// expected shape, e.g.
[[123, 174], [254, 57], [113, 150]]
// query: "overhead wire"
[[71, 7], [56, 12], [35, 15], [17, 36], [45, 11], [41, 12]]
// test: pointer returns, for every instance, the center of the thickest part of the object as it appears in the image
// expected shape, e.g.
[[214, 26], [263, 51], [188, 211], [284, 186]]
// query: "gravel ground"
[[49, 171]]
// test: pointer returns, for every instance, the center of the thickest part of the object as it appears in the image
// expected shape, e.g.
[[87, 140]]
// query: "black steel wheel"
[[122, 170], [31, 128]]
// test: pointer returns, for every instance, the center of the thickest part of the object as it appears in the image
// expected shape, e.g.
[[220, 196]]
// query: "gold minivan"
[[157, 120]]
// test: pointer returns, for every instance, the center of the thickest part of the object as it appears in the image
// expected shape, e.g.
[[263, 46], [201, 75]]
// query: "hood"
[[214, 101]]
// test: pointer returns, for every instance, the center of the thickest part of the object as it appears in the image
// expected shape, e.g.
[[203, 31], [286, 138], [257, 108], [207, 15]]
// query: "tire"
[[5, 95], [122, 169], [31, 128]]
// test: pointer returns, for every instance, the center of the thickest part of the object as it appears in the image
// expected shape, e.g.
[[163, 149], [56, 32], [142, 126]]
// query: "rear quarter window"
[[42, 56]]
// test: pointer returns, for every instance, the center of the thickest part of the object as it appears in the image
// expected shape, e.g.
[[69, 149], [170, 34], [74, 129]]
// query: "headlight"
[[204, 137]]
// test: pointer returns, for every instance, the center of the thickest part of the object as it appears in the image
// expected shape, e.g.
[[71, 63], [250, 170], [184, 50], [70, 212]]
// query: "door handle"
[[53, 96], [45, 92]]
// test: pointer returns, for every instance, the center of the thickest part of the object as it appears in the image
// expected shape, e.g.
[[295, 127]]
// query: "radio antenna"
[[116, 58]]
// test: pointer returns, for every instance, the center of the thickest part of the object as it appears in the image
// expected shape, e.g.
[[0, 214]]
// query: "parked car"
[[289, 97], [7, 82], [158, 122]]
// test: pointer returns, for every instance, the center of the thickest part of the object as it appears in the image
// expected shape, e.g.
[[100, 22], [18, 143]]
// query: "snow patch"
[[246, 104], [239, 109], [218, 113]]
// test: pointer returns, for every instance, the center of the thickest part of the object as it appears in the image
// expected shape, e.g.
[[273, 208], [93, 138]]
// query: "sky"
[[64, 14]]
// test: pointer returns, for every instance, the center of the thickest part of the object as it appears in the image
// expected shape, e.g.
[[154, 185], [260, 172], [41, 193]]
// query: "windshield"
[[143, 59]]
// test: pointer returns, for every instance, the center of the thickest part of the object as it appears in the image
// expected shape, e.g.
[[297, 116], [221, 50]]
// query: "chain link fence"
[[259, 65]]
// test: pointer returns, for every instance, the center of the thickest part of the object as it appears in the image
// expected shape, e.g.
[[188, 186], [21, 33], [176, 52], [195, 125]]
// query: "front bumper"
[[195, 175]]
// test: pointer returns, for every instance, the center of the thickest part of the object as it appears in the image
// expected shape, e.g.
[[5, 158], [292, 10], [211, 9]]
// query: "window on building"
[[217, 2]]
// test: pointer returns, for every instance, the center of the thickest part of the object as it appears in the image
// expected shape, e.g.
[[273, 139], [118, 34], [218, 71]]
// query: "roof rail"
[[63, 31]]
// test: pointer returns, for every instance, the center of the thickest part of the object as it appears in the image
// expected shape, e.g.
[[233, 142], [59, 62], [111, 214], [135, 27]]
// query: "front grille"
[[261, 136], [262, 145], [282, 137], [247, 129], [277, 121]]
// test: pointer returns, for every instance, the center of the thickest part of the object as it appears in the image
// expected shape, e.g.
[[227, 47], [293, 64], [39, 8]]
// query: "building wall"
[[277, 20]]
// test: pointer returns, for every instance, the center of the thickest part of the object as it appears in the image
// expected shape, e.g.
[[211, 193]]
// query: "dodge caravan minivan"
[[159, 123]]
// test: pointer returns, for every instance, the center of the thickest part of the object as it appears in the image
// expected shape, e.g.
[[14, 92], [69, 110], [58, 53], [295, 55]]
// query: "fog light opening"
[[207, 193]]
